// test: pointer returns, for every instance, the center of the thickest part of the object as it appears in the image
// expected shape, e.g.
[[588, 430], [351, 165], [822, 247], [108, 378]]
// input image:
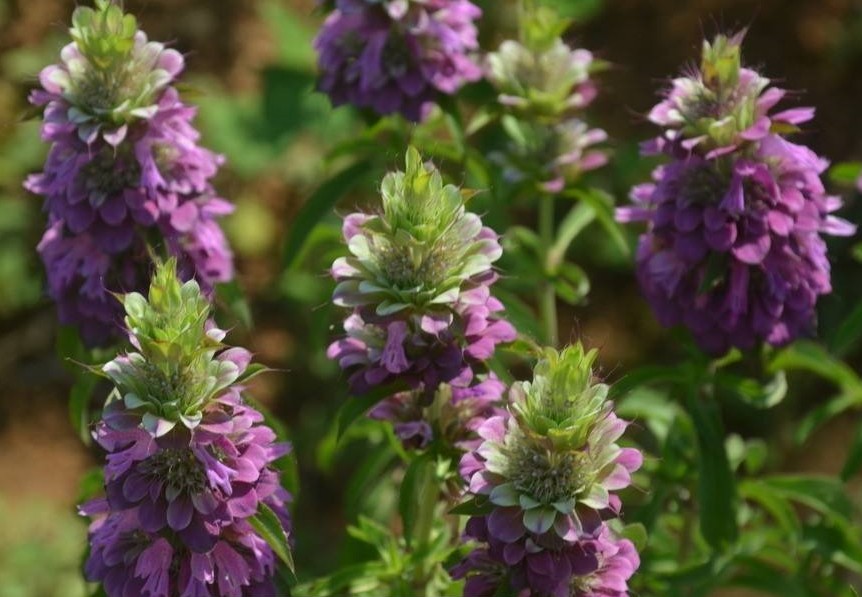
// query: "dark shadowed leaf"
[[853, 463], [421, 467], [268, 526], [716, 486], [320, 204], [356, 406]]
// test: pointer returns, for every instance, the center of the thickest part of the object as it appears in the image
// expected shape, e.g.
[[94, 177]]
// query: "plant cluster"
[[519, 469]]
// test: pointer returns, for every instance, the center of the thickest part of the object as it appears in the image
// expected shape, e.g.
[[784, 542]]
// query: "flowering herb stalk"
[[124, 175], [734, 245], [397, 56], [543, 87], [418, 281], [189, 474], [546, 475]]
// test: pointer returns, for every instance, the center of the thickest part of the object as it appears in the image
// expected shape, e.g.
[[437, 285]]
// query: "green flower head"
[[110, 74], [175, 371], [720, 102], [420, 251], [557, 455], [544, 83], [562, 403]]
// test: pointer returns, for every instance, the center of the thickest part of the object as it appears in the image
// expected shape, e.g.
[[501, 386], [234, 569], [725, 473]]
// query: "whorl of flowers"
[[542, 79], [397, 56], [543, 84], [188, 462], [453, 416], [547, 472], [733, 247], [418, 280], [124, 169], [554, 155]]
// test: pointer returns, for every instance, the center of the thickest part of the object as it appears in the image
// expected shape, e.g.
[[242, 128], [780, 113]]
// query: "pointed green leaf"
[[268, 526], [321, 203], [356, 406], [716, 486]]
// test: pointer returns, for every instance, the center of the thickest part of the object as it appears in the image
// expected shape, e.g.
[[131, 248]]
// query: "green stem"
[[424, 527], [547, 294]]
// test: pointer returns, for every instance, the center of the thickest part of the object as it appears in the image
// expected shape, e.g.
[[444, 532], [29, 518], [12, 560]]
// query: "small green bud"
[[105, 35], [721, 61], [562, 403]]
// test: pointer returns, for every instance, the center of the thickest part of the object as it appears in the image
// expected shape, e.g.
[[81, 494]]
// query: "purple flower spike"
[[734, 245], [124, 169], [397, 56], [418, 280], [188, 462], [548, 469]]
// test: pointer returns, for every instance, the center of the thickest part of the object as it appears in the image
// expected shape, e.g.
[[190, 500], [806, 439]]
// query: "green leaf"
[[774, 503], [268, 526], [603, 207], [752, 391], [848, 333], [823, 494], [252, 371], [716, 487], [356, 406], [645, 376], [845, 172], [823, 413], [91, 484], [79, 404], [293, 35], [637, 534], [578, 10], [853, 462], [812, 357], [321, 203], [476, 506], [571, 284], [755, 574], [415, 479], [234, 300], [578, 218]]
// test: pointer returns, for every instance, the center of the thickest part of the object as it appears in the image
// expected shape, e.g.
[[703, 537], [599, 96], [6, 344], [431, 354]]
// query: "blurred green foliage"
[[40, 551]]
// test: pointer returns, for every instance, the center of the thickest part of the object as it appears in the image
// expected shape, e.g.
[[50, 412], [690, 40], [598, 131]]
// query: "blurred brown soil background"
[[813, 45]]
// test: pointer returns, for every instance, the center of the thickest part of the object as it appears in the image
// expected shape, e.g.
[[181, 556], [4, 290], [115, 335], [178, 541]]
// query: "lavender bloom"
[[542, 84], [553, 156], [124, 169], [453, 417], [550, 469], [542, 80], [418, 281], [597, 566], [397, 56], [188, 462], [734, 247]]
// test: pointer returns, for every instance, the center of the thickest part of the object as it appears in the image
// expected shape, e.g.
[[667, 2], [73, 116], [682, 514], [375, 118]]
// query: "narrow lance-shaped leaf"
[[268, 526], [321, 203], [716, 486]]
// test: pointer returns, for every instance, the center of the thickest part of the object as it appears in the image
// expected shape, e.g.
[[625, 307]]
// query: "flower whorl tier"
[[124, 169], [734, 247], [547, 471], [545, 83], [188, 462], [397, 56], [455, 414], [418, 280], [545, 80]]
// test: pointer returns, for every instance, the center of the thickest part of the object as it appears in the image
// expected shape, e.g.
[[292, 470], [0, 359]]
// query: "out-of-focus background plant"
[[251, 71]]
